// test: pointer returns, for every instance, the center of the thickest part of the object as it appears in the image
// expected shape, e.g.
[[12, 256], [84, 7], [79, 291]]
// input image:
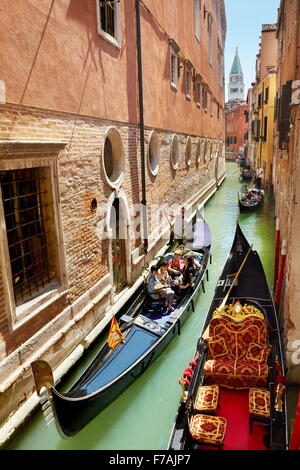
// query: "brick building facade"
[[236, 126], [70, 162], [286, 174], [262, 101]]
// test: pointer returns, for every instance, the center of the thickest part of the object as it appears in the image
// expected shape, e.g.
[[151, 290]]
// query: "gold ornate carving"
[[238, 312]]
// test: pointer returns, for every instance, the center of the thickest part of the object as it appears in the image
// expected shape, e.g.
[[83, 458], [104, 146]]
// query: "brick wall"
[[81, 178]]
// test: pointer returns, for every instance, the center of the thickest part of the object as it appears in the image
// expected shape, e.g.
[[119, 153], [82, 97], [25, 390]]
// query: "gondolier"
[[259, 176]]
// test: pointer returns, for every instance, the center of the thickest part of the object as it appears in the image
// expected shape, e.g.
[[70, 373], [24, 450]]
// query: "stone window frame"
[[174, 64], [155, 147], [188, 78], [210, 38], [116, 39], [220, 65], [205, 96], [198, 89], [16, 155], [197, 19], [211, 105], [118, 147], [174, 164]]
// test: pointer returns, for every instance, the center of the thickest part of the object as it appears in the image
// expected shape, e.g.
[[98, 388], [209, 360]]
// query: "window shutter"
[[266, 95], [284, 125], [257, 129], [276, 107], [265, 128]]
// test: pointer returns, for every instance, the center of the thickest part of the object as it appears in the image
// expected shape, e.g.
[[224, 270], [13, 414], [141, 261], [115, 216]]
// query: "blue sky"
[[244, 20]]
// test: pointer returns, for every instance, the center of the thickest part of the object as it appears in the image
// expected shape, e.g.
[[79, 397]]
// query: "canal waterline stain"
[[142, 416]]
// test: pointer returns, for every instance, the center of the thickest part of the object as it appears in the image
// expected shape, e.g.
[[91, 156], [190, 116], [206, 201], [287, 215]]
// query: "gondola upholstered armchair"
[[237, 348]]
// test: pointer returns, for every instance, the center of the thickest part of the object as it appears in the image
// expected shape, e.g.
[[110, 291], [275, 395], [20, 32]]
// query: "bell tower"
[[236, 80]]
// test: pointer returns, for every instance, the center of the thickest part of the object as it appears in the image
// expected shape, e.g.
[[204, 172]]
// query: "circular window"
[[198, 151], [175, 155], [188, 151], [154, 153], [113, 157]]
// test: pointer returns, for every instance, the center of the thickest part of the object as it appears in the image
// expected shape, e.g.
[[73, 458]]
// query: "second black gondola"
[[233, 394], [251, 199]]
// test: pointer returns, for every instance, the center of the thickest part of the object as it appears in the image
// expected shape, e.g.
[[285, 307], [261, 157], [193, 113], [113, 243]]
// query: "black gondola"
[[251, 199], [249, 407], [147, 330], [246, 174]]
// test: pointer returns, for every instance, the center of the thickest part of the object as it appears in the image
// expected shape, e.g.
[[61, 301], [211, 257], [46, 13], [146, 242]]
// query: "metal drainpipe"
[[142, 129]]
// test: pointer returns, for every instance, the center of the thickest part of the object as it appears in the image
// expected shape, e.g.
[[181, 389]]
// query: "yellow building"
[[261, 101], [266, 125]]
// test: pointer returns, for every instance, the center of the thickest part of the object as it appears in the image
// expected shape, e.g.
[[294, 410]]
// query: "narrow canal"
[[143, 415]]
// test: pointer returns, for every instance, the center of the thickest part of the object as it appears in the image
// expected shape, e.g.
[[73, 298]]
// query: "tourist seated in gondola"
[[249, 195], [158, 290], [175, 264], [188, 273], [192, 255], [163, 274]]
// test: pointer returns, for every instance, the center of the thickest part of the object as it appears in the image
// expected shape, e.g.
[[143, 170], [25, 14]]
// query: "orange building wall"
[[61, 62], [268, 53], [181, 28], [56, 44], [236, 126]]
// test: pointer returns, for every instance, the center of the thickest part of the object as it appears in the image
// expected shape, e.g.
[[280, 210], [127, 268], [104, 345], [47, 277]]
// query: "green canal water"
[[142, 416]]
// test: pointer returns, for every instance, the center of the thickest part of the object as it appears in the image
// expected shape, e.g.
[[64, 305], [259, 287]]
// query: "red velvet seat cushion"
[[259, 402], [235, 374], [207, 398], [208, 429]]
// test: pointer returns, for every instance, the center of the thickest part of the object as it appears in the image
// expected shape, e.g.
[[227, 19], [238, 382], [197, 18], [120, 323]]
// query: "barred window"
[[28, 213]]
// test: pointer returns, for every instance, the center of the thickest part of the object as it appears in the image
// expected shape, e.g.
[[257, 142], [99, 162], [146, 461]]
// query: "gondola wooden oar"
[[220, 309]]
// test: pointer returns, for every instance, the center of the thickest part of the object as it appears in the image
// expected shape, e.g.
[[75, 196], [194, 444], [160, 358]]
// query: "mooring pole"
[[277, 249], [281, 274]]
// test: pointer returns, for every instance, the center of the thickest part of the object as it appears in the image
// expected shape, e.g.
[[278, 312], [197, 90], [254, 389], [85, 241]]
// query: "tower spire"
[[236, 79]]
